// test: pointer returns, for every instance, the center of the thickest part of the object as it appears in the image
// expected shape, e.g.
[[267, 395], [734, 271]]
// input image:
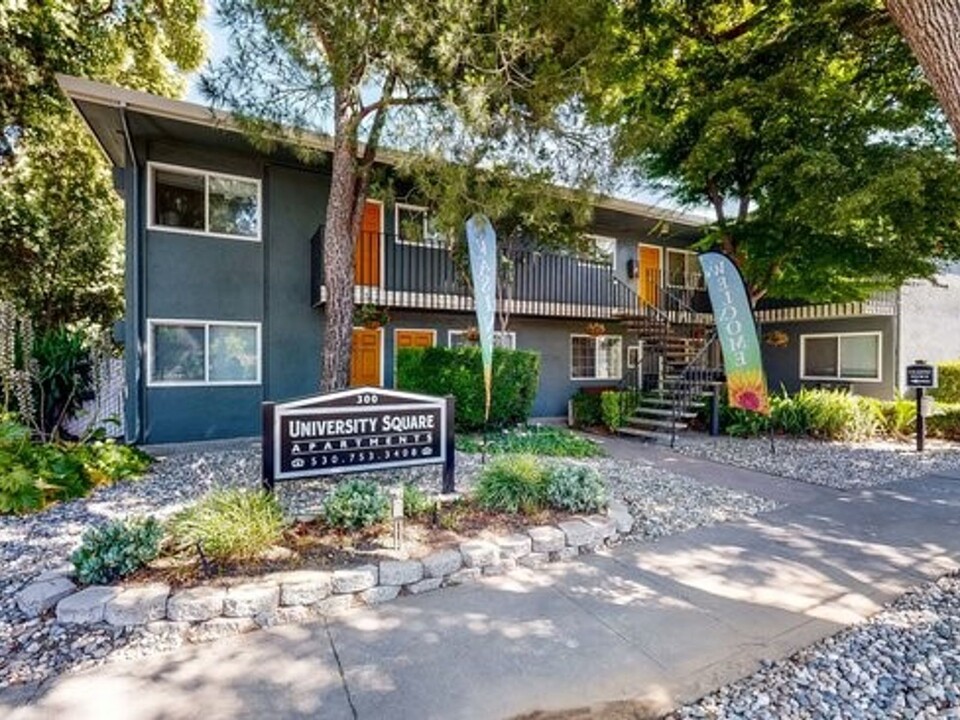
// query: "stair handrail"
[[687, 387]]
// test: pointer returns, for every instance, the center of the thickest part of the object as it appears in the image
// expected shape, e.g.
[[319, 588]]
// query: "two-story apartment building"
[[225, 298]]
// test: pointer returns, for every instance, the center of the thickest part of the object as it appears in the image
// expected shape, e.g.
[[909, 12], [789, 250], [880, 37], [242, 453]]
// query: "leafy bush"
[[743, 423], [587, 409], [229, 524], [512, 483], [533, 439], [415, 502], [616, 406], [112, 551], [899, 417], [459, 372], [33, 475], [356, 504], [945, 423], [949, 382], [64, 376], [576, 489]]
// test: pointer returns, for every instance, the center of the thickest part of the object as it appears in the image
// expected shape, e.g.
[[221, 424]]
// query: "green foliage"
[[576, 488], [945, 423], [616, 406], [587, 409], [110, 552], [416, 504], [533, 439], [64, 377], [807, 126], [356, 504], [229, 524], [948, 379], [743, 423], [512, 483], [459, 372], [898, 417], [107, 461]]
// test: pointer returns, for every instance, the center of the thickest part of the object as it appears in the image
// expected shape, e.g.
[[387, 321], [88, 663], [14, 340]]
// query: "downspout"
[[897, 340], [133, 326]]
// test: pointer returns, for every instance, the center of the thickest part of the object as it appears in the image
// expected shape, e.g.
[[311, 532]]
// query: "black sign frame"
[[357, 406], [922, 375]]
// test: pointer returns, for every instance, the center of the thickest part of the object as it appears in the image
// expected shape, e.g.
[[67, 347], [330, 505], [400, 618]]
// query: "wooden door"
[[366, 259], [365, 359], [648, 284], [415, 339]]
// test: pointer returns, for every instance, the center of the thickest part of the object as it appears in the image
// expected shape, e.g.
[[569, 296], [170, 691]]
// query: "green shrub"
[[415, 502], [948, 381], [576, 489], [945, 422], [64, 377], [533, 439], [113, 551], [512, 483], [356, 504], [229, 524], [616, 406], [899, 417], [587, 409], [743, 423], [108, 461], [459, 372]]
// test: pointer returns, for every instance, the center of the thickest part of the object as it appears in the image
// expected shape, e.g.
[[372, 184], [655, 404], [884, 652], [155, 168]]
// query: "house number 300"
[[367, 399]]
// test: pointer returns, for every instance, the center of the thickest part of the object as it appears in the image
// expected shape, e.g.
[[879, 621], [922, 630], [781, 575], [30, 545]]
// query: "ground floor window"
[[841, 356], [200, 352], [501, 339], [595, 358]]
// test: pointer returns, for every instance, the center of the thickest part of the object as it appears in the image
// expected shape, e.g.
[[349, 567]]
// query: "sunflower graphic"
[[747, 389]]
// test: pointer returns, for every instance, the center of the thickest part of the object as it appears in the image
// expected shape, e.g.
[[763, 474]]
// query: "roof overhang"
[[103, 108]]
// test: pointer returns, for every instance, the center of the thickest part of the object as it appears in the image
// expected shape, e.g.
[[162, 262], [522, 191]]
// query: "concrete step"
[[666, 412], [646, 434], [669, 402], [653, 424]]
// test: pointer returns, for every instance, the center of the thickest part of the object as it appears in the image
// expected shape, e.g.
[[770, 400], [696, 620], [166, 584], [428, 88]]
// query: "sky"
[[218, 47]]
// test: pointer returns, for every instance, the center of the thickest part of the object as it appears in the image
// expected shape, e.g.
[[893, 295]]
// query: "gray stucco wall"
[[930, 321], [782, 364]]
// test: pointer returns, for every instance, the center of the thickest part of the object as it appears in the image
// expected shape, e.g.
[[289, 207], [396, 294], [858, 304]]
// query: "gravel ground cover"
[[845, 466], [32, 650], [904, 662]]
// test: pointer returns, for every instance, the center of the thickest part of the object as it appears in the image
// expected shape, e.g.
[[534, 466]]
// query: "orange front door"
[[365, 360], [414, 339], [366, 259], [648, 284]]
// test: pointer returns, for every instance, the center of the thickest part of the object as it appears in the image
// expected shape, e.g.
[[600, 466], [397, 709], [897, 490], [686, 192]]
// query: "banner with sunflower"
[[746, 382]]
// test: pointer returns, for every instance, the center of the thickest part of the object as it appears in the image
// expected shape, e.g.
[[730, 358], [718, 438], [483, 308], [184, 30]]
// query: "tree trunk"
[[338, 250], [932, 29]]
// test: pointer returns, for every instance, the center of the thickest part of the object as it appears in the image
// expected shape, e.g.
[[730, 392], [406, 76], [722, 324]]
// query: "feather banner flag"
[[746, 382], [482, 241]]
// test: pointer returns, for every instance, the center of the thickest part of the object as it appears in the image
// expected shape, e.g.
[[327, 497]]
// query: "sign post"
[[357, 430], [922, 376]]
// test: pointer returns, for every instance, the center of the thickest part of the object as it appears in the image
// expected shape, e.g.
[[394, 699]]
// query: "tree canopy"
[[357, 70], [60, 220], [808, 128]]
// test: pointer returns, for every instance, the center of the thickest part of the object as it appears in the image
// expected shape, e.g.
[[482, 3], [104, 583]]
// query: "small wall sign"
[[922, 375], [357, 430]]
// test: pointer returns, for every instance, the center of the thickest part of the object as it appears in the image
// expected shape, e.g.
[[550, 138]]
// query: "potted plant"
[[777, 338], [472, 334], [370, 316], [596, 329]]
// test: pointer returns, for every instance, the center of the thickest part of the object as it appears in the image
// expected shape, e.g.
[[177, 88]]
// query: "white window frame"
[[839, 377], [612, 255], [596, 347], [205, 324], [152, 167], [686, 275], [451, 334], [428, 242]]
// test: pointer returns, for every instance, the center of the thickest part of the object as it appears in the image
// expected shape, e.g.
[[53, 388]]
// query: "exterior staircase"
[[681, 371]]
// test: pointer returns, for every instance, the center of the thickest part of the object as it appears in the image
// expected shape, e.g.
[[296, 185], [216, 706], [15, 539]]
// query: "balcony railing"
[[404, 275]]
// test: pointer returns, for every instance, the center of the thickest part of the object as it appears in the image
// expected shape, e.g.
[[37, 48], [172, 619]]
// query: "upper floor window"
[[195, 201], [501, 339], [683, 270], [841, 356], [414, 226]]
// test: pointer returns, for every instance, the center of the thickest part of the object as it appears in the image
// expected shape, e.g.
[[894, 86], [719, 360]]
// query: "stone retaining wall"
[[207, 612]]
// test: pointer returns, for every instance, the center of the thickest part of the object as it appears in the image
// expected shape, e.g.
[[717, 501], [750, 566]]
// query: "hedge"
[[459, 372], [949, 382]]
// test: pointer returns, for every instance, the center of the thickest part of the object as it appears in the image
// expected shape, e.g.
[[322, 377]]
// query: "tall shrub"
[[949, 382], [459, 372]]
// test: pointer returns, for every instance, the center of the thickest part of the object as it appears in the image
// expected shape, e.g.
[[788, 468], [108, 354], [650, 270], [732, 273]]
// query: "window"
[[603, 250], [849, 356], [414, 226], [596, 358], [194, 352], [195, 201], [501, 339], [683, 270]]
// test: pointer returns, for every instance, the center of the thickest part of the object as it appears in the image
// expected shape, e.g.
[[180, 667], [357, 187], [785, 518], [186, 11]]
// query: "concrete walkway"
[[649, 625]]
